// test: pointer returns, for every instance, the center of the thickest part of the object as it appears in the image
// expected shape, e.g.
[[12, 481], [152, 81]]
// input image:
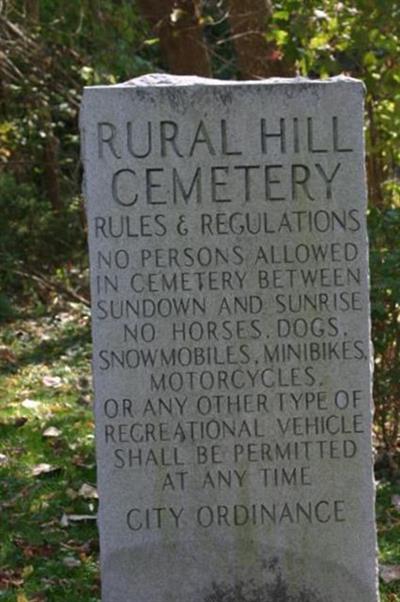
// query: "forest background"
[[51, 49]]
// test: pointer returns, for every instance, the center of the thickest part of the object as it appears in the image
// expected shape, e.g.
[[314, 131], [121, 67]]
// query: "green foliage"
[[384, 227], [360, 38], [49, 61], [7, 311], [388, 521], [29, 225], [26, 218]]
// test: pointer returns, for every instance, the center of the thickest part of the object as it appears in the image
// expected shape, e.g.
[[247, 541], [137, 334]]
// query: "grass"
[[45, 382], [46, 361], [388, 521]]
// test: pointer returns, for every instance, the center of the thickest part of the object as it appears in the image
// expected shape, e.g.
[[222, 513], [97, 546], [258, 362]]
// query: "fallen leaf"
[[88, 547], [21, 494], [66, 519], [84, 382], [85, 400], [20, 421], [31, 404], [71, 562], [51, 431], [10, 578], [71, 493], [52, 581], [64, 522], [33, 551], [65, 316], [8, 356], [80, 462], [88, 491], [20, 334], [50, 525], [52, 381], [16, 422], [389, 573], [57, 445], [27, 570], [44, 469], [17, 451]]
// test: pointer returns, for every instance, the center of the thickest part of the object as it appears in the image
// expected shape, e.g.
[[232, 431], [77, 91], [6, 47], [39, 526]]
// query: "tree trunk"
[[51, 175], [256, 57], [374, 162], [178, 25], [32, 11]]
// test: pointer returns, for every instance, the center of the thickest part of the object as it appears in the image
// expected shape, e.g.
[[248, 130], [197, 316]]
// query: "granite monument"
[[232, 357]]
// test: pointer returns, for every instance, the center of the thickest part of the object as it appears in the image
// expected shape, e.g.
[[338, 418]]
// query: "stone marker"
[[232, 363]]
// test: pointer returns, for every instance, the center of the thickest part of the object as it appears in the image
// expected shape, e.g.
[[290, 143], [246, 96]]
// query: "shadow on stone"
[[275, 589]]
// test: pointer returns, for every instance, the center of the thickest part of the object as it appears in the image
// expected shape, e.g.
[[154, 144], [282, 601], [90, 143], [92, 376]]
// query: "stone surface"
[[231, 361]]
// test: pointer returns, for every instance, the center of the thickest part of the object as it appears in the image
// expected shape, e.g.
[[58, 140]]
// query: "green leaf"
[[281, 15], [281, 37], [152, 41]]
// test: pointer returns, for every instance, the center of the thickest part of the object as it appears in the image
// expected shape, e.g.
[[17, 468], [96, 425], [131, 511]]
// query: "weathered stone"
[[232, 362]]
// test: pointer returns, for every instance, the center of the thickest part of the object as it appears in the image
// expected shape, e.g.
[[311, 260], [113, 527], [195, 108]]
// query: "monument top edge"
[[157, 80]]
